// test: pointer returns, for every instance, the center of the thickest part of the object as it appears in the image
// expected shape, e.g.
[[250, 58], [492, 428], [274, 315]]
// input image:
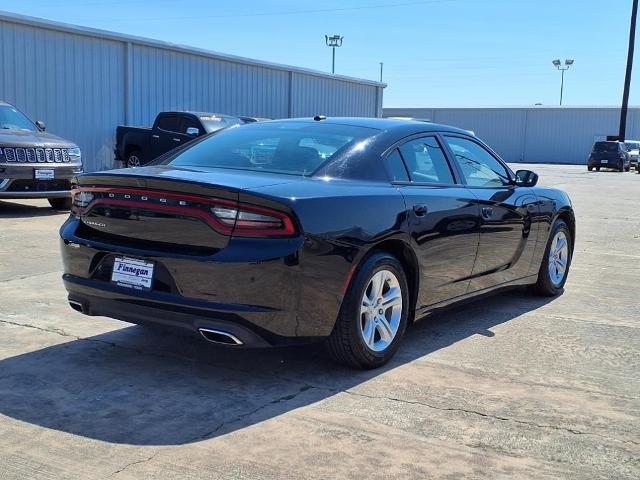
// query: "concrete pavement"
[[512, 386]]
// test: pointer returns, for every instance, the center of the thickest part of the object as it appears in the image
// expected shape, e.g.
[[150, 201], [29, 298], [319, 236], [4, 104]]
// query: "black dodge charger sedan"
[[342, 230]]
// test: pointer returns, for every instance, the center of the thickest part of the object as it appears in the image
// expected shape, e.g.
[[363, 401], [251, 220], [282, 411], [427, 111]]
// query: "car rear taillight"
[[225, 216], [249, 220]]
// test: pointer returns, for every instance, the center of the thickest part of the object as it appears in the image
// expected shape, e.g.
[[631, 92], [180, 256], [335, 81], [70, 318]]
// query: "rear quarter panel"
[[341, 221]]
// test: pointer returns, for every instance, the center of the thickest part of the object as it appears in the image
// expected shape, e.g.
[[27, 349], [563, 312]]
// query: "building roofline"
[[121, 37], [516, 107]]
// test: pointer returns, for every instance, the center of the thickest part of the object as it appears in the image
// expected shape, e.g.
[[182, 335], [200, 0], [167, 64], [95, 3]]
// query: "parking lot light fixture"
[[558, 64], [333, 41]]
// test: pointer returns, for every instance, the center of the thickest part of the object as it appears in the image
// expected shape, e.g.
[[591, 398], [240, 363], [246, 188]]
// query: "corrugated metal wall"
[[83, 83], [533, 134]]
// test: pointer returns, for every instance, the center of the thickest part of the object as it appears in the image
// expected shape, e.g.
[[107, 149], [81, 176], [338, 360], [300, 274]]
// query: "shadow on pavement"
[[13, 209], [138, 386]]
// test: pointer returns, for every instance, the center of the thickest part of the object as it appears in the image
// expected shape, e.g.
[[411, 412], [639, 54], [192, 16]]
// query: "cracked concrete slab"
[[508, 387]]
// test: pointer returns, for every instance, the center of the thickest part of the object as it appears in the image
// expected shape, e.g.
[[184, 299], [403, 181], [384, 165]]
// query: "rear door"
[[442, 217], [506, 214]]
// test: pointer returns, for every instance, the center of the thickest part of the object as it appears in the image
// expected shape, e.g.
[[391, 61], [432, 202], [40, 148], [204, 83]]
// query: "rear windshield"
[[296, 148], [605, 147]]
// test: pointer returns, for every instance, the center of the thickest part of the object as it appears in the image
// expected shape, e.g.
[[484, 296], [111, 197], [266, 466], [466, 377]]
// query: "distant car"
[[34, 163], [609, 154], [291, 231], [633, 147], [137, 146]]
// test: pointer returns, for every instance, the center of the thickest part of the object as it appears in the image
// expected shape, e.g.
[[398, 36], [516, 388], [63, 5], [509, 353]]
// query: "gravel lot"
[[509, 386]]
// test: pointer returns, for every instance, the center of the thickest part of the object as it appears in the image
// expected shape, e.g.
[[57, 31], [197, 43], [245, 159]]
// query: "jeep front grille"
[[36, 155]]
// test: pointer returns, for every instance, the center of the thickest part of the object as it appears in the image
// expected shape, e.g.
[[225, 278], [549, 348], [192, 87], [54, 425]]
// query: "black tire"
[[345, 344], [60, 203], [134, 159], [597, 169], [545, 286], [628, 169], [589, 168], [621, 168]]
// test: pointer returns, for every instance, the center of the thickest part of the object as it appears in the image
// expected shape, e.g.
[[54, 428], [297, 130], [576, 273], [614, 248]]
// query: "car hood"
[[24, 138], [233, 179]]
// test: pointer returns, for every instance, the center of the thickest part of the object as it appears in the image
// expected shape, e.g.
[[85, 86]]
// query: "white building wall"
[[84, 82], [533, 134]]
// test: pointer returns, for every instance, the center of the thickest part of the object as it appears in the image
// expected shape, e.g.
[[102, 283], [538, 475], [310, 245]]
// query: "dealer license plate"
[[132, 273], [45, 174]]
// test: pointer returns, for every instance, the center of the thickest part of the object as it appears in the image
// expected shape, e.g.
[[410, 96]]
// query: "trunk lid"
[[161, 208]]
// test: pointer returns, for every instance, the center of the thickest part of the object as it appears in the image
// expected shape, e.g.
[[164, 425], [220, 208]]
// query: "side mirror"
[[193, 131], [40, 124], [526, 178]]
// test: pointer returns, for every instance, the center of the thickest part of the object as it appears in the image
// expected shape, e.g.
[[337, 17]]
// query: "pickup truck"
[[136, 146]]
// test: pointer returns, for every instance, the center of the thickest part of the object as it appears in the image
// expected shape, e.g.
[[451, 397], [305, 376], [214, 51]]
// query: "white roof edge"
[[106, 34]]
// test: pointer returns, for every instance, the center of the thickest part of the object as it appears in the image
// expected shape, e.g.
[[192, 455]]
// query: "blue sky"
[[435, 52]]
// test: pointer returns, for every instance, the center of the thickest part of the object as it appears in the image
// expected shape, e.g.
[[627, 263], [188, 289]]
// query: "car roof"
[[5, 104], [392, 125]]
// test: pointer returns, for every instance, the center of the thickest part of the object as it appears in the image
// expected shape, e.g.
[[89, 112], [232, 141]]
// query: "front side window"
[[12, 119], [426, 161], [188, 122], [169, 123], [296, 148], [479, 167]]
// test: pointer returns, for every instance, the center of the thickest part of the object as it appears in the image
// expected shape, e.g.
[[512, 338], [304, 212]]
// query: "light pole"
[[333, 41], [627, 78], [381, 65], [558, 64]]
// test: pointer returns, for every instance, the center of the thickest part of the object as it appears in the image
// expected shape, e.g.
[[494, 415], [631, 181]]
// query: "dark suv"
[[609, 155], [33, 163]]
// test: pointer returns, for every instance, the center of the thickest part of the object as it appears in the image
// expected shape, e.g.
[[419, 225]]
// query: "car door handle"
[[176, 139], [420, 210], [487, 212], [155, 136]]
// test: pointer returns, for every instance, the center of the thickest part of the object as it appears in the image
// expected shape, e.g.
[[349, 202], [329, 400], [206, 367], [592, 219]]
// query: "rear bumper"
[[607, 163], [165, 311], [260, 293]]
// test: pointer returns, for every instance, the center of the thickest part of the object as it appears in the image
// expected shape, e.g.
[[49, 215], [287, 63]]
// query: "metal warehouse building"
[[84, 82], [534, 134]]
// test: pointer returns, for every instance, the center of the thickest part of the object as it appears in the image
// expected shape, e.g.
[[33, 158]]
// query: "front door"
[[507, 229]]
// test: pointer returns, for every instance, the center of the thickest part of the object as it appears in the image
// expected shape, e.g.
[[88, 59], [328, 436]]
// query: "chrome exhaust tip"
[[220, 337], [77, 306]]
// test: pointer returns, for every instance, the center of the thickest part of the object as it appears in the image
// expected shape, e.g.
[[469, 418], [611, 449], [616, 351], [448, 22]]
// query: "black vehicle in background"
[[609, 154], [34, 163], [137, 146], [301, 230]]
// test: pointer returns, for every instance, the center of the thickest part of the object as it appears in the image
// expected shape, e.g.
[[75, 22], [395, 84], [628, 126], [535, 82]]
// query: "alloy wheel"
[[381, 310], [133, 161], [558, 258]]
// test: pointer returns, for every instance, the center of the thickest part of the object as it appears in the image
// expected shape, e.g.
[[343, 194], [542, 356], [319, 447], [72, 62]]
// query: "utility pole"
[[627, 79], [381, 65]]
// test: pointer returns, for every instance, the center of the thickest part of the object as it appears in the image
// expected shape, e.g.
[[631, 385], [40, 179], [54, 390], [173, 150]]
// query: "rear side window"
[[396, 168], [426, 161], [479, 167], [169, 123]]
